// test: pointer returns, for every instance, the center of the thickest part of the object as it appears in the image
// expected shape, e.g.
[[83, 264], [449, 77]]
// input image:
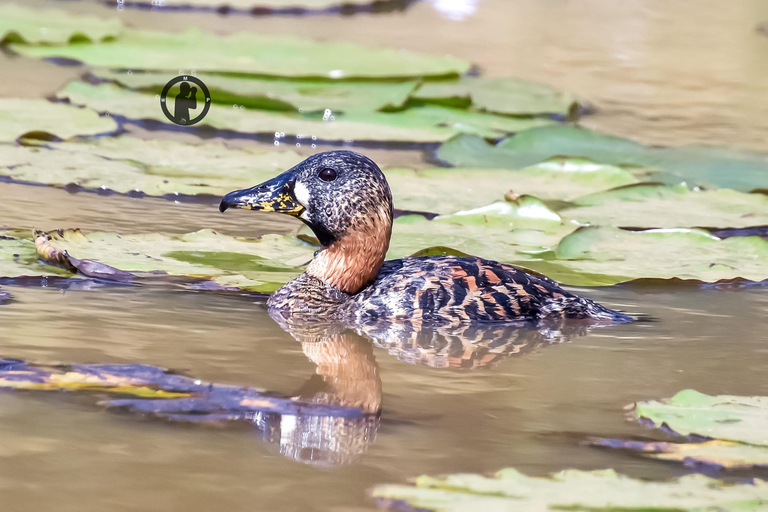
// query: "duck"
[[344, 198]]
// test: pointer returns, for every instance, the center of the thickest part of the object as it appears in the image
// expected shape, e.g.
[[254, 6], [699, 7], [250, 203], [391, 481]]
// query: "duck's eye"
[[327, 174]]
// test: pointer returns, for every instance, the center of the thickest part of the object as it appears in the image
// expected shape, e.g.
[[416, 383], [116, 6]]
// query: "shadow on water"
[[332, 418]]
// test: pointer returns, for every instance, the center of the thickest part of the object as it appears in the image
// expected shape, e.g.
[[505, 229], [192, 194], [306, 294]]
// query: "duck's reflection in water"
[[334, 417]]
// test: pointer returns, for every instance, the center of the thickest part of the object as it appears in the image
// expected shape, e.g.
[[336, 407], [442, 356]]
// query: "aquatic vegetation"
[[723, 431], [261, 5], [249, 53], [46, 120], [698, 165], [572, 490], [429, 123], [53, 26]]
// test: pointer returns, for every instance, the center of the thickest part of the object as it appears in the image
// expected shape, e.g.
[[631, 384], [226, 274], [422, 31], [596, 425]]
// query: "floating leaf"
[[620, 256], [259, 5], [18, 258], [450, 190], [509, 96], [726, 417], [420, 124], [699, 165], [280, 95], [154, 167], [52, 26], [251, 53], [44, 119], [663, 206], [720, 454], [572, 490], [261, 265]]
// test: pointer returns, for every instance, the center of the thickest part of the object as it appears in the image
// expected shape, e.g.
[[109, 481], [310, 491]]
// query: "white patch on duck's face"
[[301, 193]]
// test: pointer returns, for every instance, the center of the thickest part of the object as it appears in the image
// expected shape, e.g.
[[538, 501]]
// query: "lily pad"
[[502, 231], [421, 124], [448, 190], [52, 26], [156, 168], [260, 265], [280, 95], [726, 417], [509, 96], [699, 165], [572, 490], [253, 54], [717, 454], [618, 256], [662, 206], [44, 119], [18, 258]]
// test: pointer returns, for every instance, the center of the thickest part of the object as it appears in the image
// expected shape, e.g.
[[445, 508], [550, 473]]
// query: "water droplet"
[[326, 114], [298, 145], [130, 72], [336, 73], [277, 134], [314, 137], [242, 107], [277, 143], [333, 118], [282, 134], [314, 146], [234, 106]]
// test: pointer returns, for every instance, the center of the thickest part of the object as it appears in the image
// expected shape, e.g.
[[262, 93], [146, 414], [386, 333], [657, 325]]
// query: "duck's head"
[[344, 198]]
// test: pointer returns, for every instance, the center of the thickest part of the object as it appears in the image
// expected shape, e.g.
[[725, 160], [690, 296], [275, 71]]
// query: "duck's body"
[[345, 199]]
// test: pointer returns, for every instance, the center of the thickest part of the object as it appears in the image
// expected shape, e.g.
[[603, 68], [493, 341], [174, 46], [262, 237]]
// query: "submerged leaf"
[[509, 96], [572, 490], [52, 26], [260, 265], [280, 95], [251, 53], [700, 165], [620, 255], [49, 120]]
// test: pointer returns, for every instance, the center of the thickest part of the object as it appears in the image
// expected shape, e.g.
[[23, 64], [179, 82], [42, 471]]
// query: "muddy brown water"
[[660, 72]]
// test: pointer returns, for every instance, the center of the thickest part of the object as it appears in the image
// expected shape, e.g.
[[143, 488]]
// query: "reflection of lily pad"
[[659, 253], [259, 265], [280, 95], [510, 96], [421, 124], [127, 164], [45, 119], [699, 165], [251, 53], [662, 206], [606, 490], [450, 190], [52, 26]]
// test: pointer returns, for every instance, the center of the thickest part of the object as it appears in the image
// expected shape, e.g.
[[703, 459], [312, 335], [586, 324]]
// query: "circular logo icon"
[[185, 104]]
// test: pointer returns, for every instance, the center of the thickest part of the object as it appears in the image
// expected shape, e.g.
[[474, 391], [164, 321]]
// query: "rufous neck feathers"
[[353, 261]]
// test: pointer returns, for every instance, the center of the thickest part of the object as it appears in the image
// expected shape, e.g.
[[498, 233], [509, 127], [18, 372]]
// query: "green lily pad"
[[719, 454], [605, 490], [509, 96], [449, 190], [618, 256], [260, 265], [504, 231], [699, 165], [280, 95], [253, 54], [725, 417], [44, 119], [662, 206], [260, 4], [18, 258], [421, 124], [154, 167], [52, 26]]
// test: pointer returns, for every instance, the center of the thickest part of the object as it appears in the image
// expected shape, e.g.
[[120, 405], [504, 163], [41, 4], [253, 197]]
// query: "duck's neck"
[[353, 261]]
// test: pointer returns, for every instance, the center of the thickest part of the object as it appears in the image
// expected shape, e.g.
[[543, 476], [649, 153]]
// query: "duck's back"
[[449, 289]]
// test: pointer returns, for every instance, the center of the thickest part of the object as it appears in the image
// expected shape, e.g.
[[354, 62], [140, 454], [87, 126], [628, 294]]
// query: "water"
[[657, 71]]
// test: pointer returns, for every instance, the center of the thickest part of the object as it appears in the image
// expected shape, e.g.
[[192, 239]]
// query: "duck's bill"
[[275, 195]]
